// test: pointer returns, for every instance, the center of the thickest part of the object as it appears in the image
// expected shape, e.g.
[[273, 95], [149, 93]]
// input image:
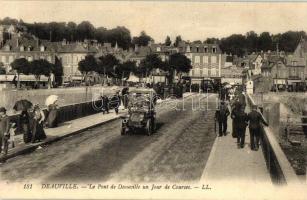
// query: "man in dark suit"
[[255, 119], [221, 116], [241, 121], [4, 131]]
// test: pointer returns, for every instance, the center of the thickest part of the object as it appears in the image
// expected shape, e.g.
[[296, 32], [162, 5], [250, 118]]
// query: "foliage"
[[168, 41], [151, 61], [180, 62], [142, 40], [40, 67], [177, 40], [107, 65], [124, 69], [57, 31], [21, 65], [88, 64], [57, 70]]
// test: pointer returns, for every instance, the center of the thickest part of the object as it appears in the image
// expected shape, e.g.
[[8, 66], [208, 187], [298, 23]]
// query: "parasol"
[[51, 100], [22, 104]]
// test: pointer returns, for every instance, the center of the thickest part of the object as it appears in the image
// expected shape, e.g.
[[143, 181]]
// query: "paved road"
[[178, 151]]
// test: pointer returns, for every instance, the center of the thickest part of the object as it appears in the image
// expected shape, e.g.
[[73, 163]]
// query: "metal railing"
[[279, 167]]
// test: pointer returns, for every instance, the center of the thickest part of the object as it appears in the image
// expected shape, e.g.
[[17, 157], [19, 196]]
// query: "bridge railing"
[[277, 163]]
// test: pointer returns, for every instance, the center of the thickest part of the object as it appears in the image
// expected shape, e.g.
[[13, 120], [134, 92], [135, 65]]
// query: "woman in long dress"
[[52, 119], [38, 132], [25, 125]]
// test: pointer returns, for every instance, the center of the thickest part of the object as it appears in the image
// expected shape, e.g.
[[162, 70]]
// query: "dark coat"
[[4, 125], [222, 113], [241, 119], [255, 120]]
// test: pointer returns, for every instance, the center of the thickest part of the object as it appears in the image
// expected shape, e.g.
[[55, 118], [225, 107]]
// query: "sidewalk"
[[63, 130], [228, 163]]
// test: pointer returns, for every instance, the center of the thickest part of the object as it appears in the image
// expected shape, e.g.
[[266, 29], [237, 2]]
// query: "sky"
[[192, 20]]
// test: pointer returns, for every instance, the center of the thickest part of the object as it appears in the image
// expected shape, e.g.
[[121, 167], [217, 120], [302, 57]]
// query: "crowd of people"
[[240, 119], [31, 124]]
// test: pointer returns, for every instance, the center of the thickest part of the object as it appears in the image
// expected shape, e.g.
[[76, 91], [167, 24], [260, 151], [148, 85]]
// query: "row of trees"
[[38, 68], [110, 66], [57, 31]]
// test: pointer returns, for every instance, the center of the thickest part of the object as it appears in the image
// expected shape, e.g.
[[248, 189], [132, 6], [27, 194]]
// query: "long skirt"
[[27, 135], [38, 132], [52, 120]]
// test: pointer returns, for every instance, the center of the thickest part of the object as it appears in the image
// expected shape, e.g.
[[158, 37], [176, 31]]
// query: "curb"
[[31, 148]]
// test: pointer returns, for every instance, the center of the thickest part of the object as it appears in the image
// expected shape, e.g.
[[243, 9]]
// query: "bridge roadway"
[[183, 149]]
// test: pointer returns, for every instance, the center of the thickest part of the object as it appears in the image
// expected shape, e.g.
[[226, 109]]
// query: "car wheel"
[[148, 128]]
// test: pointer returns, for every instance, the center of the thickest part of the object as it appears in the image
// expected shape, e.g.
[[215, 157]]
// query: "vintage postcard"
[[153, 100]]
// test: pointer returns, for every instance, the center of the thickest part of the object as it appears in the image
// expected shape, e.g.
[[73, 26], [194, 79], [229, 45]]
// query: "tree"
[[251, 42], [85, 30], [124, 70], [21, 66], [177, 41], [265, 41], [2, 69], [212, 40], [87, 65], [180, 63], [107, 66], [151, 61], [57, 70], [40, 67], [168, 41], [142, 40]]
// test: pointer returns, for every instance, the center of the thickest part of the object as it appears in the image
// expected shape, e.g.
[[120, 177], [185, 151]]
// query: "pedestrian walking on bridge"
[[255, 119], [221, 116], [241, 121]]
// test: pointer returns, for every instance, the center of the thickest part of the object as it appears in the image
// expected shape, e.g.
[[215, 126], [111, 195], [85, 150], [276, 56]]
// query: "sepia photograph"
[[153, 99]]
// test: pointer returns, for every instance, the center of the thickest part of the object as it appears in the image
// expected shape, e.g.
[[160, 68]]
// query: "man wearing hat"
[[221, 116], [255, 119], [4, 130]]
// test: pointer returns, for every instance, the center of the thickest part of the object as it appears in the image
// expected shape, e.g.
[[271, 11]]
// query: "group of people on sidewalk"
[[31, 124], [240, 121]]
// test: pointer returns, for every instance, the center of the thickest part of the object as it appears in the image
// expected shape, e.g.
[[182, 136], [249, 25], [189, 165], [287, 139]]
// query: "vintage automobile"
[[141, 112]]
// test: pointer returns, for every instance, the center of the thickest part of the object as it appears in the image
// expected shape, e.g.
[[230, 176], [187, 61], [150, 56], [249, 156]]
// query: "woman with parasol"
[[52, 118], [24, 118]]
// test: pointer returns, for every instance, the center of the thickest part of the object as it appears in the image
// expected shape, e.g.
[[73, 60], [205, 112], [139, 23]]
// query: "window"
[[11, 59], [158, 49], [42, 48], [197, 49], [49, 58], [213, 59], [22, 48], [213, 49], [206, 59], [3, 60], [197, 59], [192, 71], [29, 48], [7, 48], [206, 49], [30, 58]]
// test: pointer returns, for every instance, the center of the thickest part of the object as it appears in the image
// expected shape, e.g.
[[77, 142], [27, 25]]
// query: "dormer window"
[[29, 48], [197, 49], [22, 48], [213, 49], [188, 49], [42, 48], [206, 49], [158, 49]]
